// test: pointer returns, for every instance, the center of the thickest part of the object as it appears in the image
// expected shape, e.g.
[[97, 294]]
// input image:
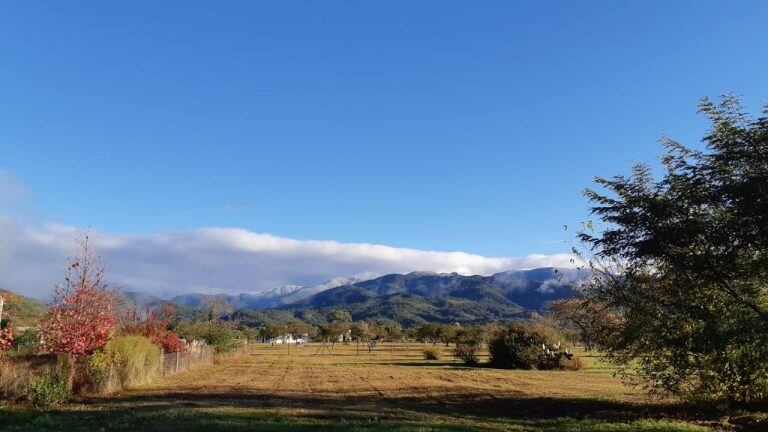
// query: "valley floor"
[[391, 389]]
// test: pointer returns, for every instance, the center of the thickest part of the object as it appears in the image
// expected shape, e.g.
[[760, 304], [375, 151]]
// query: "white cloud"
[[223, 260], [212, 260]]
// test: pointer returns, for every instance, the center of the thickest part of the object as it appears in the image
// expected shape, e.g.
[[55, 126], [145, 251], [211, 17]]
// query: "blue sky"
[[429, 125]]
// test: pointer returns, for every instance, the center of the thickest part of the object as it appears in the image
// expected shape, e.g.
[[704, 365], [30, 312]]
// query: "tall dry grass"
[[18, 372], [124, 361]]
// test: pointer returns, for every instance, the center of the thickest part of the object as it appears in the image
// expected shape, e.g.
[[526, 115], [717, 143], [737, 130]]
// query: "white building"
[[289, 339]]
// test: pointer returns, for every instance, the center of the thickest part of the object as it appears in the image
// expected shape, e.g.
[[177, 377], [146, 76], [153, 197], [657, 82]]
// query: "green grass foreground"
[[392, 389]]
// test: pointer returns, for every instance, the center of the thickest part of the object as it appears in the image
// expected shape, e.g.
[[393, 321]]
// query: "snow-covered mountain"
[[282, 295], [523, 289]]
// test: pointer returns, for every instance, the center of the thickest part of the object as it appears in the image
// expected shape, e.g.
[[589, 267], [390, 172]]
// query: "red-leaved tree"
[[155, 327], [6, 337], [82, 314]]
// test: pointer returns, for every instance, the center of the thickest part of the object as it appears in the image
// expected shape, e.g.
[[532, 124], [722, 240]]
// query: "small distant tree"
[[467, 345], [360, 332], [216, 307], [447, 332], [434, 332], [81, 316], [428, 333], [341, 322], [334, 331], [272, 331], [391, 331], [298, 329]]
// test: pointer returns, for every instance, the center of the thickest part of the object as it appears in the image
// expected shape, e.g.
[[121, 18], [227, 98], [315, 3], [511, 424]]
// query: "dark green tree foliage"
[[27, 341], [221, 337], [272, 331], [390, 331], [436, 332], [341, 316], [683, 260], [468, 341], [518, 346], [298, 329]]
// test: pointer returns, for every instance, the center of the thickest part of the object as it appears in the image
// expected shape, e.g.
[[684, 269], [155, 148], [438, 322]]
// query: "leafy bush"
[[26, 342], [528, 346], [573, 363], [99, 367], [170, 342], [466, 350], [49, 392], [516, 347], [431, 354], [223, 339], [134, 360]]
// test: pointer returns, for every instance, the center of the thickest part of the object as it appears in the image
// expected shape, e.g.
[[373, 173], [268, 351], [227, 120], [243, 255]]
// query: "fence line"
[[197, 353]]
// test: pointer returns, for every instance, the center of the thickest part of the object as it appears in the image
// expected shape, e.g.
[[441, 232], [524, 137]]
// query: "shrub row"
[[517, 346], [47, 380]]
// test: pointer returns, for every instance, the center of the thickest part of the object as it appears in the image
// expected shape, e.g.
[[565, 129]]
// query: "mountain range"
[[408, 299], [276, 297]]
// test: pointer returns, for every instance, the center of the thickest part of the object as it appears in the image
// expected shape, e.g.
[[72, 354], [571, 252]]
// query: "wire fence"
[[196, 354]]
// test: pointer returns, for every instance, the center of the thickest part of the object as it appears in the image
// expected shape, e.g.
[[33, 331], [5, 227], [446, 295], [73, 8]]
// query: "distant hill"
[[143, 302], [139, 300], [22, 311], [420, 297]]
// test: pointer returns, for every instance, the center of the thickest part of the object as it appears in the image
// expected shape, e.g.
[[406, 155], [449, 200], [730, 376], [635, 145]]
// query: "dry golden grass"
[[391, 371], [392, 388]]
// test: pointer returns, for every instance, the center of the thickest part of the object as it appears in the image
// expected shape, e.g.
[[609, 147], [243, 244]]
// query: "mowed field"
[[390, 389]]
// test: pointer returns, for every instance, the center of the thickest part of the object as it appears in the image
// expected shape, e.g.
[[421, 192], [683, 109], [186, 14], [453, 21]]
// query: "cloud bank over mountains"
[[229, 260], [218, 260]]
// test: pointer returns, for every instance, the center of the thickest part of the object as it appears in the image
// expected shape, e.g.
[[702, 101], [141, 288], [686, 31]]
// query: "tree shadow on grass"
[[208, 411], [430, 363], [257, 411], [455, 404]]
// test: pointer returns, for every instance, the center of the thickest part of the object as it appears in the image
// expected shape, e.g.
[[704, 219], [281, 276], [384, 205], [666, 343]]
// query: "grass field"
[[392, 388]]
